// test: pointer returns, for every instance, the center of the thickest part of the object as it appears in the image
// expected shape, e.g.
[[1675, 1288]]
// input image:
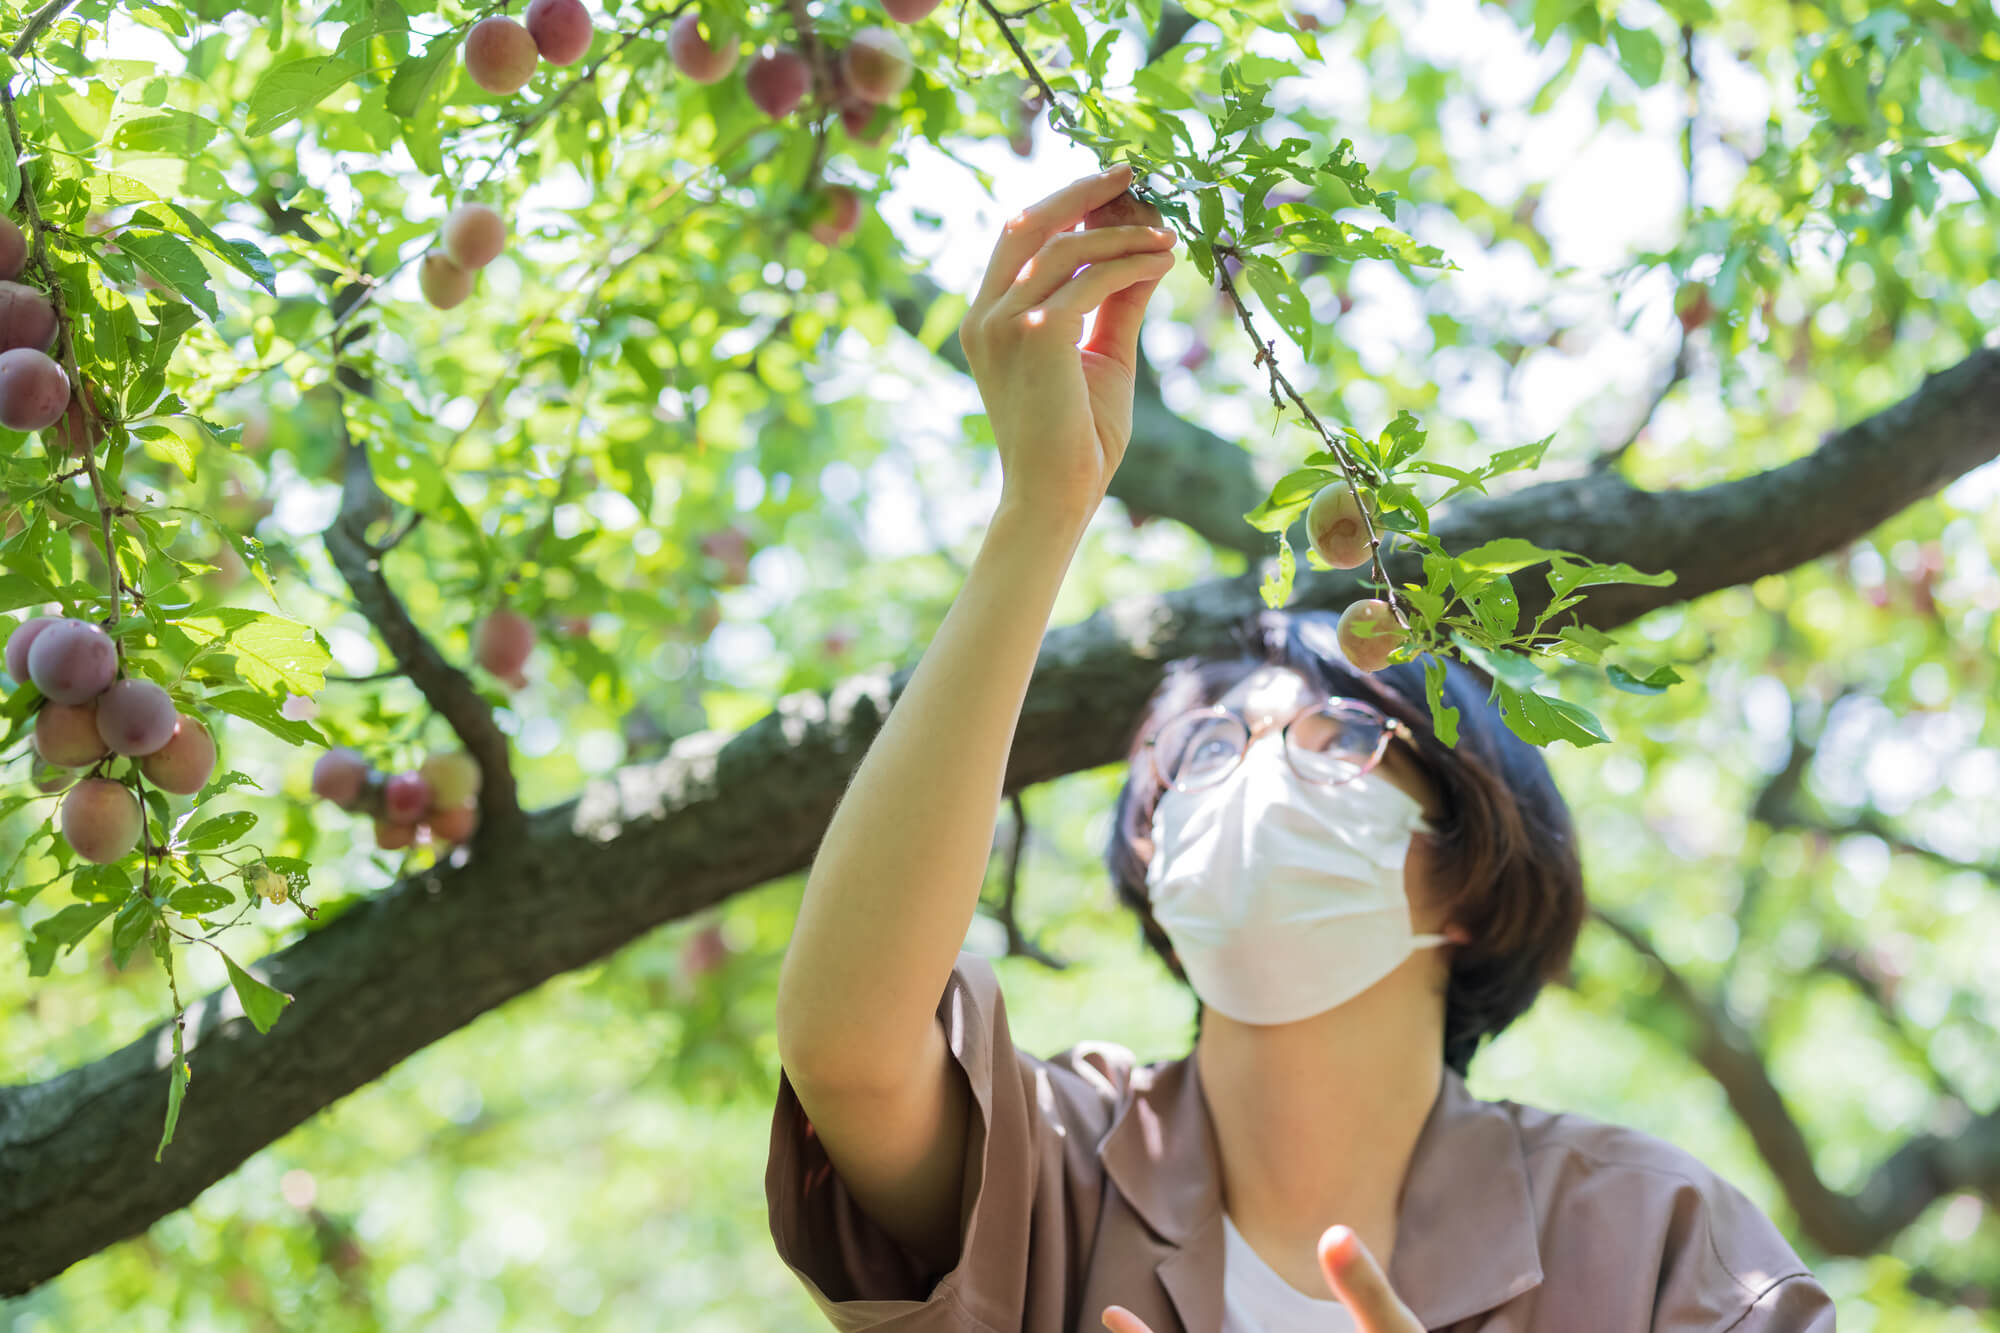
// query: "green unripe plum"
[[876, 65], [26, 318], [66, 734], [473, 235], [561, 29], [1338, 528], [443, 283], [777, 79], [500, 55], [694, 56], [182, 766], [100, 820], [1369, 634], [454, 779], [13, 248], [19, 642], [71, 661], [136, 717], [34, 392]]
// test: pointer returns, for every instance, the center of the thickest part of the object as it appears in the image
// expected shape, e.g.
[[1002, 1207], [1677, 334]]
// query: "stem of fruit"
[[815, 53], [65, 346], [1349, 468]]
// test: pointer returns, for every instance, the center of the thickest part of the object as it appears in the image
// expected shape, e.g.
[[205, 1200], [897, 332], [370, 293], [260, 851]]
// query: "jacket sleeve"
[[1032, 1187], [1795, 1304]]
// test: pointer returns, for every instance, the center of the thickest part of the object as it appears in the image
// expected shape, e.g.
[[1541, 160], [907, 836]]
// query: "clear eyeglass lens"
[[1328, 744]]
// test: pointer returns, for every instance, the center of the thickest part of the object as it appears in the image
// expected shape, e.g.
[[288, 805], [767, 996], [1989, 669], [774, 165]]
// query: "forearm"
[[897, 876]]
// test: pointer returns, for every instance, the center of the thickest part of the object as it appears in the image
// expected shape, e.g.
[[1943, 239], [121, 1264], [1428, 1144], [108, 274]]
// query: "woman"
[[1355, 905]]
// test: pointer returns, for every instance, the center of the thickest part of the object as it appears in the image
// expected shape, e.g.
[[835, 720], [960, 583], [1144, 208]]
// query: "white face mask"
[[1283, 897]]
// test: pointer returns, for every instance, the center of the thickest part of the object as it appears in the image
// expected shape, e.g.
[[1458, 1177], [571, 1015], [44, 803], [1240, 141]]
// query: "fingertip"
[[1335, 1247]]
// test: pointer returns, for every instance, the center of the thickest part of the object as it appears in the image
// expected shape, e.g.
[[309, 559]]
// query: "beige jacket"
[[1092, 1181]]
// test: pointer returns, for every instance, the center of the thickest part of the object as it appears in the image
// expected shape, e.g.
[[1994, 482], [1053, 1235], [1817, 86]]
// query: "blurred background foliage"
[[1693, 236]]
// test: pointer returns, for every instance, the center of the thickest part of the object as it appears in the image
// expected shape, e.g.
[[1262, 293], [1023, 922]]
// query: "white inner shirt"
[[1256, 1300]]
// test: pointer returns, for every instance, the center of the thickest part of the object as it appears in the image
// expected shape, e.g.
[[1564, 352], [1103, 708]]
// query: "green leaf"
[[1640, 52], [1444, 718], [178, 132], [197, 899], [1289, 498], [219, 831], [1282, 297], [243, 256], [63, 931], [170, 261], [294, 87], [261, 1003], [1565, 577], [129, 931], [258, 708], [1504, 555], [270, 652], [1277, 585], [176, 1088], [1653, 682]]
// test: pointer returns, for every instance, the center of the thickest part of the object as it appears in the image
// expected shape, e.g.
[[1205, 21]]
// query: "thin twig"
[[44, 16], [66, 349], [1018, 943]]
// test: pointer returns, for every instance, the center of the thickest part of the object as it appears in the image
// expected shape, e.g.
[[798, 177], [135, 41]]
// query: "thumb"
[[1361, 1286], [1121, 1320]]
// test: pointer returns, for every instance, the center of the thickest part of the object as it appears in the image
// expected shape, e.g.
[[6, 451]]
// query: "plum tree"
[[453, 777], [472, 235], [19, 642], [71, 661], [500, 55], [876, 65], [561, 29], [1369, 633], [502, 645], [694, 56], [13, 248], [34, 392], [66, 734], [26, 318], [443, 283], [776, 79], [909, 11], [1338, 528], [184, 763], [100, 820], [340, 776], [406, 797], [836, 213], [453, 823], [135, 717]]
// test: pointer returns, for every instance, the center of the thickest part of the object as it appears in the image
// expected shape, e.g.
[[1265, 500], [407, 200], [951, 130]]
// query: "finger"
[[1359, 1282], [1115, 334], [1028, 230], [1082, 294], [1121, 1320], [1057, 262]]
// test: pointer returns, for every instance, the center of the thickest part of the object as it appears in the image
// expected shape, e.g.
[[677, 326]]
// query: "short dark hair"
[[1507, 866]]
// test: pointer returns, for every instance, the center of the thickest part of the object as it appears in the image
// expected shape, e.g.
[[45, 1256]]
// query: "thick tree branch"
[[723, 813], [1924, 1169]]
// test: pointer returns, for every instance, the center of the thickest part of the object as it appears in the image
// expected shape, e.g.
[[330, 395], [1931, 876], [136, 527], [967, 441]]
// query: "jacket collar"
[[1465, 1225]]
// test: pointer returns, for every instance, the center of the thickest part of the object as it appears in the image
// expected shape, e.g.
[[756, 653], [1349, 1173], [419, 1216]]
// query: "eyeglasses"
[[1329, 742]]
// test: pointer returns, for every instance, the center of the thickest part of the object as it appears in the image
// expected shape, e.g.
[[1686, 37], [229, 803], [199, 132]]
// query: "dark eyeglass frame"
[[1392, 728]]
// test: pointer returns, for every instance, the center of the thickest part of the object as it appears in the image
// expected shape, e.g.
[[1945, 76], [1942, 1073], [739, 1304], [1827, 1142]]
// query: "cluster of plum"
[[88, 714], [473, 235], [438, 802], [34, 392], [1339, 532]]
